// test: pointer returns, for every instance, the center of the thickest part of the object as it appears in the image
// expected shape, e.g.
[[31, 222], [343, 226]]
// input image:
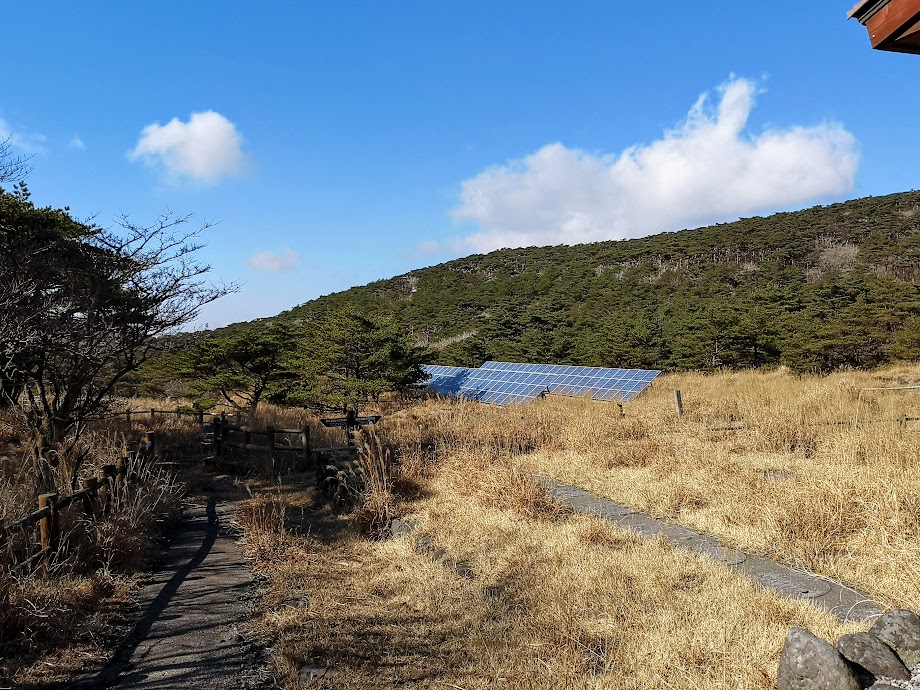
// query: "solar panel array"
[[506, 382]]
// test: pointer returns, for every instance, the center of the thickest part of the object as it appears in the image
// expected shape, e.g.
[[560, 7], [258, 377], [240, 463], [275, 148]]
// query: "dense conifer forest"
[[817, 290]]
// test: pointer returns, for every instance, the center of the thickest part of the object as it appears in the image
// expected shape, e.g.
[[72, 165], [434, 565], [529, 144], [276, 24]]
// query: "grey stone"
[[492, 592], [792, 584], [810, 663], [423, 543], [900, 630], [873, 655], [312, 672], [463, 569], [883, 686], [399, 527]]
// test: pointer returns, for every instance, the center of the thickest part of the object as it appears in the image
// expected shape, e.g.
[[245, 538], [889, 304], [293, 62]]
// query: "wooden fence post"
[[215, 444], [105, 490], [119, 479], [224, 435], [201, 418], [92, 486], [128, 417], [153, 413], [305, 443], [270, 434], [678, 403], [48, 529]]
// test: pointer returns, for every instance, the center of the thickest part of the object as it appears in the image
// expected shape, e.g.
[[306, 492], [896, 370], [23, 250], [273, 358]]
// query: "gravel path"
[[193, 610]]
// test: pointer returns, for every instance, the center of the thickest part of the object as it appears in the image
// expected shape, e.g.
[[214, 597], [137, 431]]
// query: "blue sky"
[[339, 143]]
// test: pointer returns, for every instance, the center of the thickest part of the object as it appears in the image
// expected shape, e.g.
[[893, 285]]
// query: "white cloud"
[[77, 143], [206, 148], [24, 142], [707, 169], [270, 261]]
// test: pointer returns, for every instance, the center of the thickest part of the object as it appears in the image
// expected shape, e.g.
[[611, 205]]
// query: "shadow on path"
[[188, 634], [108, 676]]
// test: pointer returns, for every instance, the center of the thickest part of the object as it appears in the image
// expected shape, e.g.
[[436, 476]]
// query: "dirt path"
[[193, 609]]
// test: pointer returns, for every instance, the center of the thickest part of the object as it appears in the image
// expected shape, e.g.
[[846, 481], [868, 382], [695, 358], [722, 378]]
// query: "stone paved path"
[[845, 603], [192, 611]]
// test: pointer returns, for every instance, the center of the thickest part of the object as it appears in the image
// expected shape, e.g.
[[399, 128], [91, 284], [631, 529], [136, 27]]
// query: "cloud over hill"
[[708, 168]]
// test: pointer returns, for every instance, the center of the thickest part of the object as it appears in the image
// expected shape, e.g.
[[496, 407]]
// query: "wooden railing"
[[95, 497], [225, 436], [152, 413]]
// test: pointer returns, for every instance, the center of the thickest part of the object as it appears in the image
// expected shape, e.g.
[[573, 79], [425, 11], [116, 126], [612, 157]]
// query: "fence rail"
[[95, 497], [902, 421], [153, 413], [221, 440]]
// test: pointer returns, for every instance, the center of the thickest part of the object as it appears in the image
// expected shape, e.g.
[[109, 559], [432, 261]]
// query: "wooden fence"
[[95, 497], [152, 413], [225, 436]]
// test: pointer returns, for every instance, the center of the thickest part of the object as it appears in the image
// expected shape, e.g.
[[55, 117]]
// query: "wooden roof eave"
[[893, 25]]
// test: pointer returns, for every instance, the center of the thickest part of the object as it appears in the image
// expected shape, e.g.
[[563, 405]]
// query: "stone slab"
[[845, 603]]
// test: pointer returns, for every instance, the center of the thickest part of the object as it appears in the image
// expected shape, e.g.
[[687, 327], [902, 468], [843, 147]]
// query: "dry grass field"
[[547, 599], [499, 586], [836, 499]]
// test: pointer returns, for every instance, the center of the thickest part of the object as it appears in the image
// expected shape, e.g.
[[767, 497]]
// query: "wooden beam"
[[887, 25]]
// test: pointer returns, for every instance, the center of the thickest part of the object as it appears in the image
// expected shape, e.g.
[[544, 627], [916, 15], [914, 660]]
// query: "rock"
[[400, 527], [463, 569], [492, 592], [900, 630], [423, 543], [311, 672], [866, 650], [297, 602], [810, 663], [883, 686]]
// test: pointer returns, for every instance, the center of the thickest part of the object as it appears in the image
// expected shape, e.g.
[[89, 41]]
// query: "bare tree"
[[13, 168], [82, 306]]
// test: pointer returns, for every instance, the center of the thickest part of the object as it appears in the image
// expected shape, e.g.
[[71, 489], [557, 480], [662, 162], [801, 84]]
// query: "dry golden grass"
[[555, 600], [757, 460]]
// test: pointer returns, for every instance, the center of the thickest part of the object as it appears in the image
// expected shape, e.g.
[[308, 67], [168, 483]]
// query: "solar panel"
[[509, 382]]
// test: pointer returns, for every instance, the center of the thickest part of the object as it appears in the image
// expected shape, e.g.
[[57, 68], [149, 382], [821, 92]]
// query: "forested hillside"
[[815, 289]]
